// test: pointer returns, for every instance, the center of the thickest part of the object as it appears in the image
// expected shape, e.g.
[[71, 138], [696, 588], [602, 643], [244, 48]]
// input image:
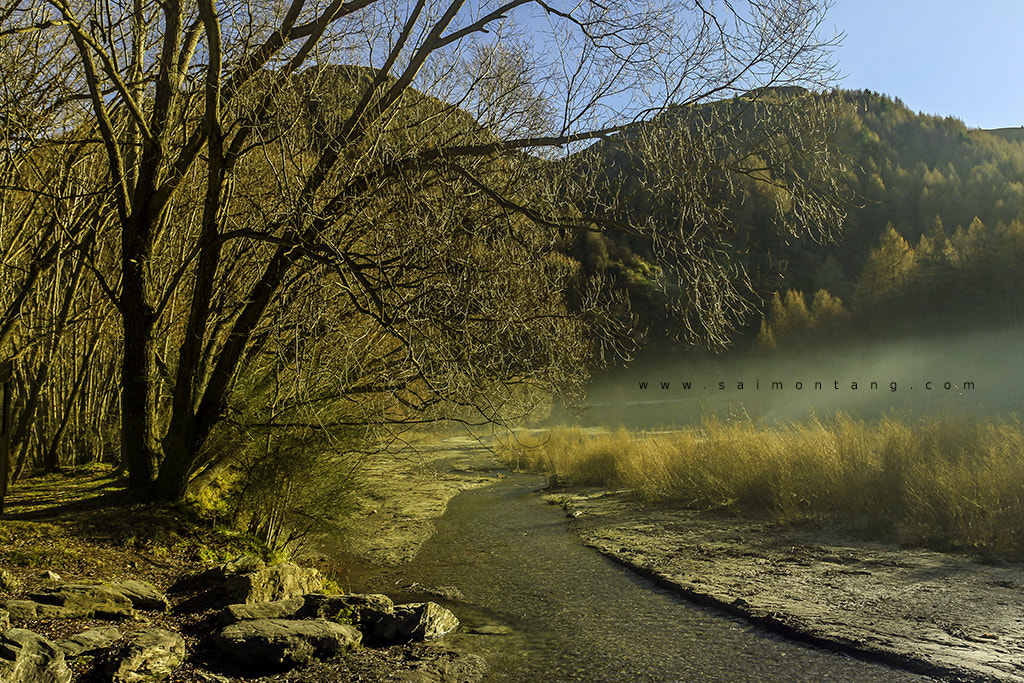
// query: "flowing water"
[[541, 606]]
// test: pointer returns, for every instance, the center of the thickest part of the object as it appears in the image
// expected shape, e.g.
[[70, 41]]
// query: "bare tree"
[[364, 199]]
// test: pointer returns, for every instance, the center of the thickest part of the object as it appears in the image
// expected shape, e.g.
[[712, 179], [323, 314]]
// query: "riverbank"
[[83, 527], [934, 613], [402, 497]]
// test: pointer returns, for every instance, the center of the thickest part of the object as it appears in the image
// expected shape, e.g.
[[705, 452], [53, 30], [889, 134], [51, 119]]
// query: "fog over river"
[[979, 372]]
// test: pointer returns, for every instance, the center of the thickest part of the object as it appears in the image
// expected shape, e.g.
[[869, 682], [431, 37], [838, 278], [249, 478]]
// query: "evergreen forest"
[[933, 236]]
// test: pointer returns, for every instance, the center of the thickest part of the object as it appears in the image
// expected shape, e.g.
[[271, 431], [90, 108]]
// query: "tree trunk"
[[5, 428], [138, 421], [51, 459], [179, 448]]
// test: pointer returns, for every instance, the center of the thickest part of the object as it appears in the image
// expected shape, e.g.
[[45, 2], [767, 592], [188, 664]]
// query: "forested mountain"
[[934, 228]]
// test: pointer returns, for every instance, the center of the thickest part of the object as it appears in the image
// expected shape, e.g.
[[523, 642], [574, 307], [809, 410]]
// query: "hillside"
[[1011, 134], [949, 198]]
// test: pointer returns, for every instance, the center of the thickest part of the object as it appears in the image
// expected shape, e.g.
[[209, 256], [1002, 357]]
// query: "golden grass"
[[950, 483]]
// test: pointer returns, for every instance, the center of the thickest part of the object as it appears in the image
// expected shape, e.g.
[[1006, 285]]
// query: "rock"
[[416, 621], [277, 609], [22, 610], [365, 611], [8, 582], [81, 601], [151, 654], [89, 642], [492, 630], [5, 620], [249, 580], [245, 564], [142, 595], [278, 643], [277, 582], [27, 657], [442, 665], [49, 575]]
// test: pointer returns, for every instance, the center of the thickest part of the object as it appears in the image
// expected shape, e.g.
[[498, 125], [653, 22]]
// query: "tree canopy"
[[331, 216]]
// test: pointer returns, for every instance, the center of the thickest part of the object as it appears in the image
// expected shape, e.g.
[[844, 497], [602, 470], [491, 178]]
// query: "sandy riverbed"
[[930, 612]]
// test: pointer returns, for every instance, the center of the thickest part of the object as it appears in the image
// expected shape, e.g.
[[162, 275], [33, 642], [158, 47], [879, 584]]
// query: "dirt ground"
[[63, 525], [411, 490], [934, 613]]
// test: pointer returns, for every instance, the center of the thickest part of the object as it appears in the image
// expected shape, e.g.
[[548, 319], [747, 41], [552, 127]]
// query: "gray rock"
[[244, 564], [5, 620], [492, 630], [276, 609], [416, 621], [278, 643], [81, 601], [277, 582], [8, 582], [150, 655], [89, 642], [248, 580], [366, 611], [142, 595], [22, 610], [27, 657], [442, 665]]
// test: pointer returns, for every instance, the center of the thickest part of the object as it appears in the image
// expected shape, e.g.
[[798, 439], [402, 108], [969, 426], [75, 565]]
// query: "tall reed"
[[949, 482]]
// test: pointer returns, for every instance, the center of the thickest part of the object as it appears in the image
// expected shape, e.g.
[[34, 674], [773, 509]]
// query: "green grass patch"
[[83, 521]]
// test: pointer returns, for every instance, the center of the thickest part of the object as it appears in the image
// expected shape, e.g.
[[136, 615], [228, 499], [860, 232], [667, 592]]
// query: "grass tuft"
[[949, 483]]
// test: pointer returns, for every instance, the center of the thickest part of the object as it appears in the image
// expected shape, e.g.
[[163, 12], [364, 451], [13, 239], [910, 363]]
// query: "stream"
[[538, 605]]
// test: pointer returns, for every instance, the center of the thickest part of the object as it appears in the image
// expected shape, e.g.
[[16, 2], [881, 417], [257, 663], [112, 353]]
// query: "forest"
[[933, 235]]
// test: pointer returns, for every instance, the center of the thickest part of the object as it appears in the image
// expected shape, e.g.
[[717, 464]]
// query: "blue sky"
[[945, 57]]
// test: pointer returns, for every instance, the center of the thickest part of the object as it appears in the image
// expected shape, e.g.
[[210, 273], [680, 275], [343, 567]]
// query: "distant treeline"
[[934, 233]]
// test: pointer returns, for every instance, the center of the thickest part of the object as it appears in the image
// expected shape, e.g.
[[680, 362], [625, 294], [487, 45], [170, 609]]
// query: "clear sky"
[[961, 58]]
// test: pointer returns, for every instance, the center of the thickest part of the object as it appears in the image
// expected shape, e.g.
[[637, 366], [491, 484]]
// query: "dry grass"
[[950, 483]]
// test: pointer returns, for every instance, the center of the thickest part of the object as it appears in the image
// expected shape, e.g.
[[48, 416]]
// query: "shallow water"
[[567, 613]]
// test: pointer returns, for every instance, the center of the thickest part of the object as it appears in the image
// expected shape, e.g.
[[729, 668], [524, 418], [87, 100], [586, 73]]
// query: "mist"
[[979, 372]]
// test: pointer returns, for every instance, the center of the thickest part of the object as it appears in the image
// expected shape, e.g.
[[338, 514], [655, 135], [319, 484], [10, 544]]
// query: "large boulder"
[[365, 611], [416, 621], [276, 582], [150, 655], [275, 609], [21, 610], [89, 642], [244, 564], [282, 644], [27, 657], [360, 610], [249, 580], [142, 595], [81, 601]]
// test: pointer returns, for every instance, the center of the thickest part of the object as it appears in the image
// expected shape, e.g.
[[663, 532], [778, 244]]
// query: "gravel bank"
[[934, 613]]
